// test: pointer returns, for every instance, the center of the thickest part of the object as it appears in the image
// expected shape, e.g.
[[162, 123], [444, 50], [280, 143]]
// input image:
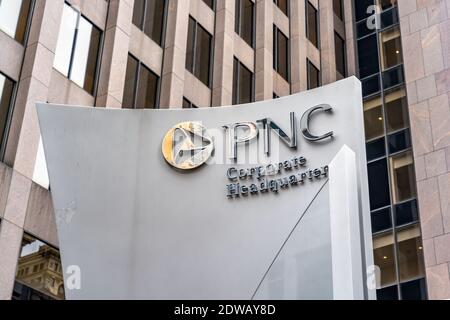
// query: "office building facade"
[[208, 53]]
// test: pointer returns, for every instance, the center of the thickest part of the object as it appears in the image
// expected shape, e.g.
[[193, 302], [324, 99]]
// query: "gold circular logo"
[[187, 145]]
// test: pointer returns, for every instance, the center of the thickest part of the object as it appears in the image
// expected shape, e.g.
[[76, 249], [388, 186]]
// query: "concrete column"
[[172, 81], [223, 53], [115, 54], [350, 37], [327, 52], [299, 47], [264, 50]]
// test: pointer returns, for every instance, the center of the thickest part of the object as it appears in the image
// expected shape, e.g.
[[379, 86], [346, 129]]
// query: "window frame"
[[9, 116], [237, 76], [317, 24], [162, 40], [29, 19], [288, 7], [275, 53], [238, 22], [194, 51], [344, 53], [137, 77], [308, 64], [72, 53]]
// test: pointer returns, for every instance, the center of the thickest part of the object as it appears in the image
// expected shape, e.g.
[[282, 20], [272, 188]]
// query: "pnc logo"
[[187, 145]]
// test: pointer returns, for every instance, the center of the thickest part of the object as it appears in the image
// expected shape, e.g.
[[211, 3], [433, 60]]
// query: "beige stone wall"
[[425, 27]]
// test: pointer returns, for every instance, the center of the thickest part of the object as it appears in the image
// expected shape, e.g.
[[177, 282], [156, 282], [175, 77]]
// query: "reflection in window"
[[283, 5], [77, 53], [14, 18], [384, 258], [242, 83], [410, 253], [39, 271], [373, 118], [339, 48], [313, 75], [312, 25], [338, 9], [6, 92], [402, 175], [361, 8], [209, 3], [188, 105], [391, 48], [198, 52], [280, 53], [141, 86], [244, 20], [148, 15], [368, 56], [396, 107]]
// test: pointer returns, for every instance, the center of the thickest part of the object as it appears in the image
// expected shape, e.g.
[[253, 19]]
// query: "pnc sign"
[[188, 145]]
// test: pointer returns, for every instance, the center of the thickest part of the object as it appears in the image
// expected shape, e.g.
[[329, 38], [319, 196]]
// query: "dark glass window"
[[396, 108], [399, 141], [77, 49], [338, 9], [242, 83], [141, 86], [381, 220], [414, 290], [339, 47], [280, 53], [406, 212], [313, 75], [389, 18], [312, 25], [198, 52], [361, 7], [32, 281], [148, 15], [14, 18], [6, 92], [403, 180], [393, 77], [375, 149], [210, 3], [378, 184], [371, 85], [388, 293], [187, 104], [283, 5], [245, 20], [368, 56]]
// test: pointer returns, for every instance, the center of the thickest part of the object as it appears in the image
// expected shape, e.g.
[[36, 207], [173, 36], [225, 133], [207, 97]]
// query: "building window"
[[410, 253], [384, 258], [6, 94], [77, 49], [41, 284], [373, 118], [283, 5], [188, 105], [209, 3], [378, 184], [280, 53], [242, 83], [403, 180], [141, 86], [396, 109], [386, 4], [338, 9], [312, 24], [313, 75], [198, 52], [14, 18], [245, 20], [368, 56], [339, 47], [391, 48], [149, 16]]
